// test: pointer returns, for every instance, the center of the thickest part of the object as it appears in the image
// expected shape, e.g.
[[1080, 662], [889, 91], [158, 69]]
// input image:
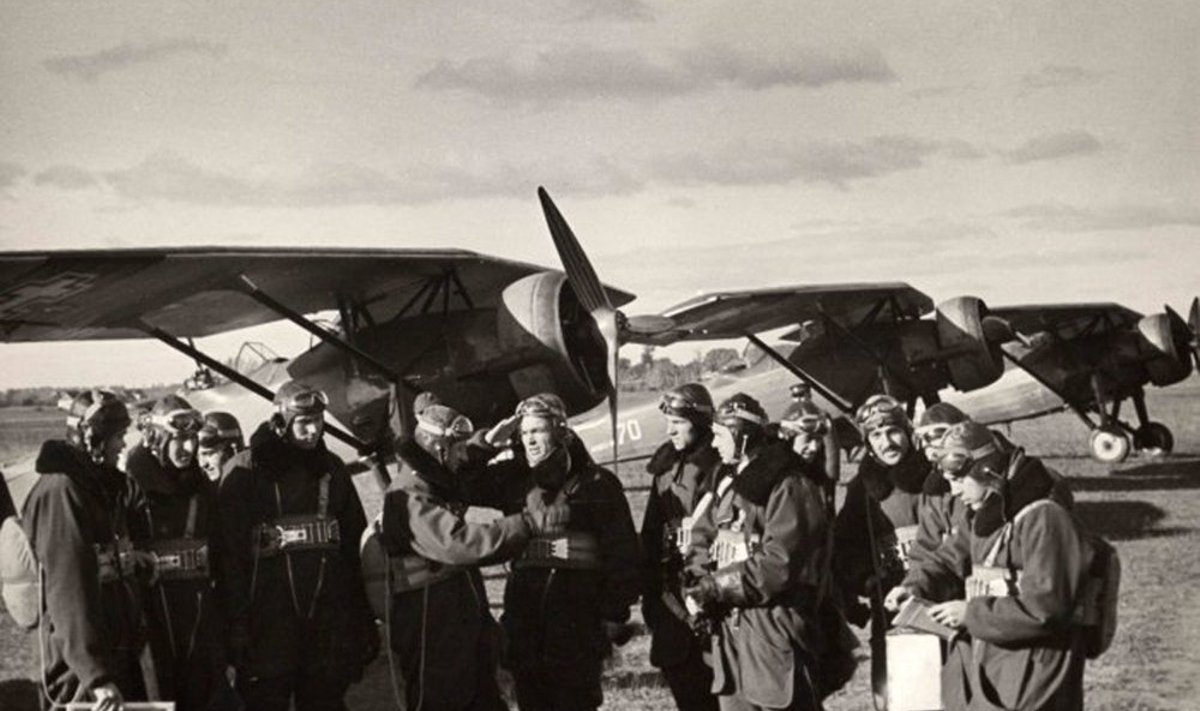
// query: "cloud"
[[622, 10], [1054, 146], [1067, 218], [10, 173], [1054, 76], [834, 163], [172, 178], [582, 72], [67, 177], [89, 67], [937, 92]]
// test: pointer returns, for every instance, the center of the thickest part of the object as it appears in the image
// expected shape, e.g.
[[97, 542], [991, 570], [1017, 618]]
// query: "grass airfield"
[[1148, 508]]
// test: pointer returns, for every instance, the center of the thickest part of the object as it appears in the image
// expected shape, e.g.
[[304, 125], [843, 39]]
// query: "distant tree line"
[[650, 373], [48, 396]]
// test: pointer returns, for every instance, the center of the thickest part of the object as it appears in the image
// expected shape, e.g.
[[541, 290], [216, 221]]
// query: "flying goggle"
[[212, 435], [541, 406], [459, 428], [306, 402], [804, 424], [741, 411], [932, 435], [957, 462], [178, 422], [880, 410], [676, 404]]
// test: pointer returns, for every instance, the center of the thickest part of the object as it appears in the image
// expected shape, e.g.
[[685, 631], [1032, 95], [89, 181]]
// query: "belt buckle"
[[560, 548], [172, 561], [292, 536]]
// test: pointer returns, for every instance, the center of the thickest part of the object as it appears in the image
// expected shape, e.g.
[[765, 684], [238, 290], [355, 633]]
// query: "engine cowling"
[[1171, 361], [975, 361], [541, 320]]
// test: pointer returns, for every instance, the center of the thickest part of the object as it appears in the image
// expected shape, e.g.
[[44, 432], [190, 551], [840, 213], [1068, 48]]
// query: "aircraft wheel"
[[1154, 438], [1110, 446]]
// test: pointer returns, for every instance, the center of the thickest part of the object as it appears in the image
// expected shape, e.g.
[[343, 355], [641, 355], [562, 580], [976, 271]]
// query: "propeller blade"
[[579, 270], [1194, 326], [612, 413]]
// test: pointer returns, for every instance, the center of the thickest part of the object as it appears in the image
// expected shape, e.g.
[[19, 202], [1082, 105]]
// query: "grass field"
[[1148, 508]]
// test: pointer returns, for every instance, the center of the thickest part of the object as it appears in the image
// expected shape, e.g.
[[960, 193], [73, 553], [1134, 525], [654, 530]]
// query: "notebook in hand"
[[914, 614]]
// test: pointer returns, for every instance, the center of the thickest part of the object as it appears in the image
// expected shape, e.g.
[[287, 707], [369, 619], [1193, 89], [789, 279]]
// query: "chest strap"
[[577, 550], [179, 558], [297, 533], [300, 532]]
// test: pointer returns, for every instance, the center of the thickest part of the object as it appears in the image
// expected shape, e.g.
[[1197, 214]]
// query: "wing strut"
[[884, 369], [1046, 384], [797, 371], [297, 318], [242, 380]]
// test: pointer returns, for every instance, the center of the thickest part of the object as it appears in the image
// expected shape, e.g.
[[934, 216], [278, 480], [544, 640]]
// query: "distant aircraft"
[[857, 340]]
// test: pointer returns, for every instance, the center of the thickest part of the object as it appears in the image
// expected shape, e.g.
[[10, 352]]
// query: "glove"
[[704, 593], [371, 645], [500, 436], [617, 632]]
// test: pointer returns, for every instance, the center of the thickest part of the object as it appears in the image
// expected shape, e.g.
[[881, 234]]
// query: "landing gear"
[[1154, 438], [1109, 445]]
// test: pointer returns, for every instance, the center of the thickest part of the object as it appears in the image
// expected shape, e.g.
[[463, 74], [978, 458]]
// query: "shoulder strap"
[[189, 530], [323, 495], [709, 497], [1007, 534]]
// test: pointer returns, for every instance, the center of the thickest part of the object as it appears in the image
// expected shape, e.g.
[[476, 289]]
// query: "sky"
[[1017, 151]]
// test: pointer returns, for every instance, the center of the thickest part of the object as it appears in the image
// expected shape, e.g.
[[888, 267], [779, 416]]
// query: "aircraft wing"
[[196, 292], [733, 314], [1068, 321]]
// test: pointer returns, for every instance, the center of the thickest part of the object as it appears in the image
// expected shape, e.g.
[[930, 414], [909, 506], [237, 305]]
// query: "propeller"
[[1187, 333], [613, 325]]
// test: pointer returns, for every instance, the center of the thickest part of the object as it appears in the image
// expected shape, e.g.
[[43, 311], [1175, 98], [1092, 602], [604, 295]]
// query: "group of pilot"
[[215, 575]]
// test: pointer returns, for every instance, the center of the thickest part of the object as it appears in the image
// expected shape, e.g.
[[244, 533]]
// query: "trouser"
[[804, 695], [312, 691], [557, 688], [691, 684]]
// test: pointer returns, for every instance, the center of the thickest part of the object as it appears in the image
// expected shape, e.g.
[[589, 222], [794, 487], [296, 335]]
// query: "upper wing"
[[733, 314], [190, 293], [1068, 321]]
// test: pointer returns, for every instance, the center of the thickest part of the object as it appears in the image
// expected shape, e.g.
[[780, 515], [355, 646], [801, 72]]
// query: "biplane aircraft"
[[480, 332], [857, 340]]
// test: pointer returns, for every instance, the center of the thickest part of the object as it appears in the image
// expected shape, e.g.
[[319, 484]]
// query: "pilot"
[[567, 599], [1026, 565], [220, 438], [441, 627], [300, 627], [758, 562], [187, 630], [809, 432], [683, 470], [77, 518], [875, 531]]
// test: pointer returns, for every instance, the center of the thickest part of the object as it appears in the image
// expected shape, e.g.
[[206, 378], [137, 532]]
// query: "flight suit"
[[442, 629], [876, 531], [300, 624], [681, 479], [765, 541], [187, 627], [563, 589], [77, 520]]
